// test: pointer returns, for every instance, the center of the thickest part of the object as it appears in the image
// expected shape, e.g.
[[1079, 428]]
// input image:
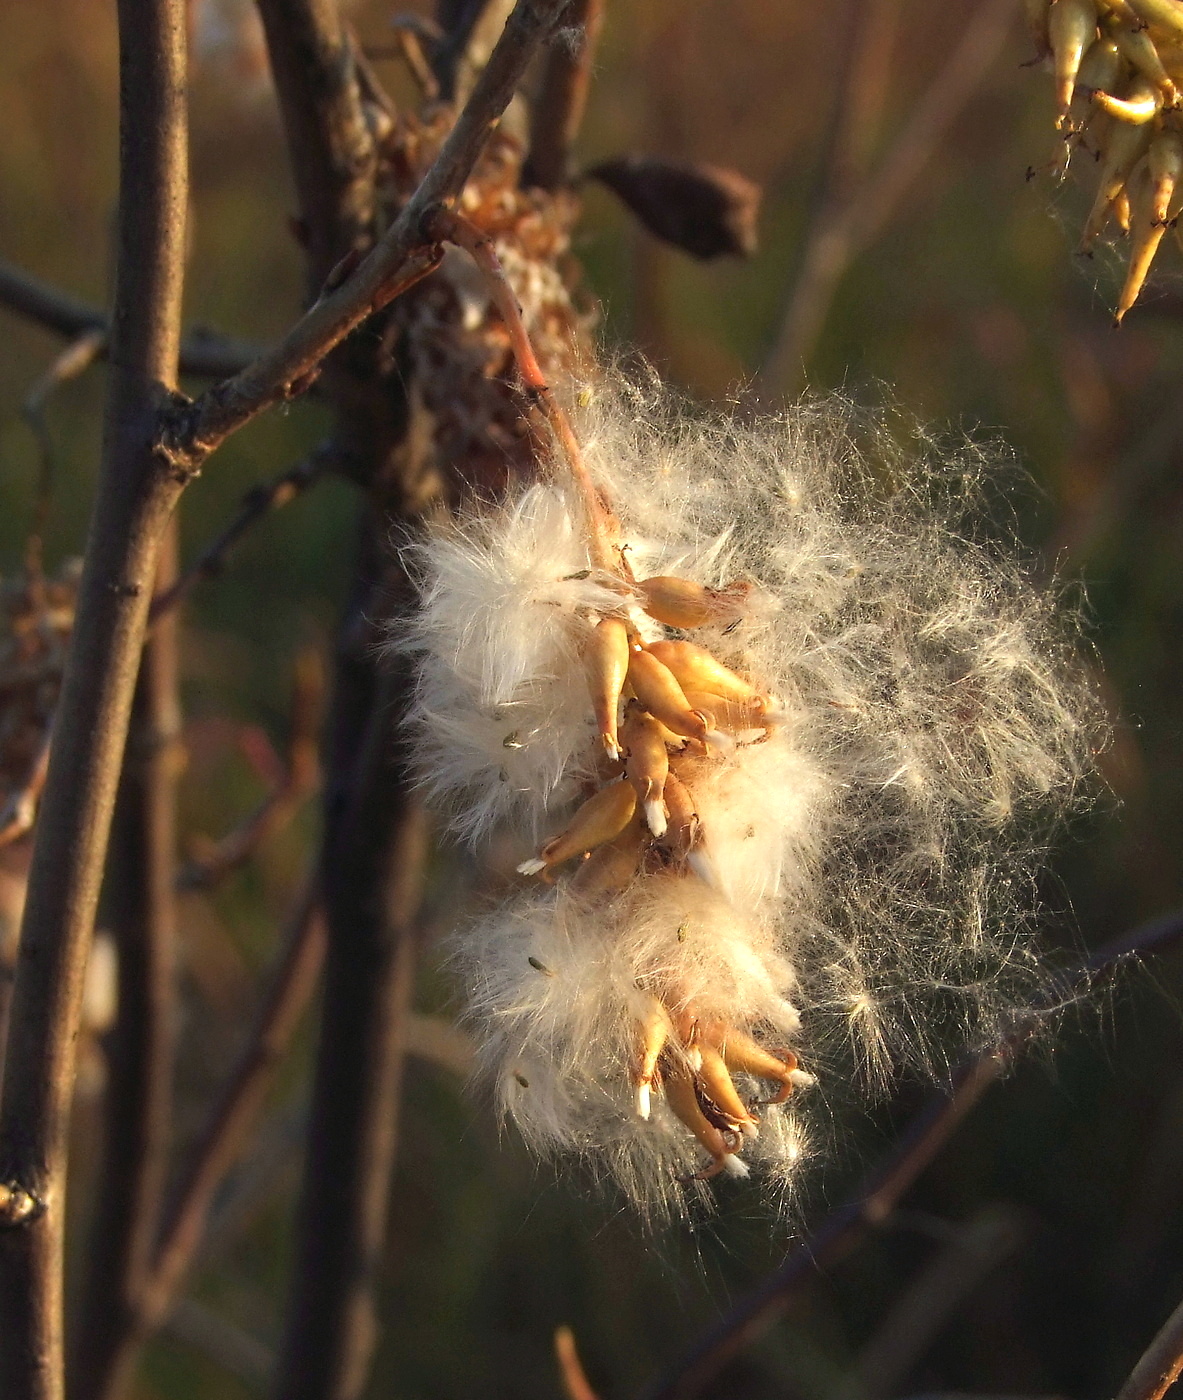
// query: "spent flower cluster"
[[777, 743]]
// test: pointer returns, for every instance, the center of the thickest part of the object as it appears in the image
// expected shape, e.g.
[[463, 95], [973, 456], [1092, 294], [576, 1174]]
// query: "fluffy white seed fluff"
[[863, 893]]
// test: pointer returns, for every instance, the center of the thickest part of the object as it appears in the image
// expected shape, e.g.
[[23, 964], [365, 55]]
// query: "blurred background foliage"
[[969, 309]]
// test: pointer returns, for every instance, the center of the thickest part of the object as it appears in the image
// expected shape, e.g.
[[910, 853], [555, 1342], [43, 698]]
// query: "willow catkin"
[[835, 876]]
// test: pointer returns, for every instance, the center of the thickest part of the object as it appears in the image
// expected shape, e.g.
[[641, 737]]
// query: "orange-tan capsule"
[[1164, 161], [1121, 211], [654, 1030], [678, 1084], [1124, 147], [1071, 29], [741, 1052], [599, 820], [606, 658], [1101, 67], [720, 1088], [1145, 235], [1138, 48], [679, 602], [1165, 17], [646, 763], [734, 716], [696, 669], [1140, 103], [659, 692], [610, 868], [684, 837]]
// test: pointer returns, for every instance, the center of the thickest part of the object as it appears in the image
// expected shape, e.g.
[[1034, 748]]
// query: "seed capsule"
[[1165, 17], [646, 764], [606, 658], [680, 1094], [654, 1032], [741, 1052], [1140, 103], [684, 835], [659, 692], [1071, 28], [611, 867], [678, 602], [717, 1082], [1137, 47], [1124, 147], [1145, 235], [735, 716], [1164, 160], [1101, 67], [599, 820], [696, 669]]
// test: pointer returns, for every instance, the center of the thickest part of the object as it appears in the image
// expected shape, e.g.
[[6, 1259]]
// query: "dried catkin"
[[876, 721]]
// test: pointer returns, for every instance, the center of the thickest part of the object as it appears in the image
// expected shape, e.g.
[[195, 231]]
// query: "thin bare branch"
[[557, 112], [140, 905], [237, 1110], [916, 1147], [846, 227], [576, 1385], [204, 354], [256, 505], [135, 498], [1159, 1366], [295, 786], [195, 430], [20, 811]]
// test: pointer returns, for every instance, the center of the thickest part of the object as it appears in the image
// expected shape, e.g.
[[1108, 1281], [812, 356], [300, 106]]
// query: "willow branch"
[[1159, 1366], [204, 354], [557, 113], [398, 259], [141, 908], [879, 1194], [136, 495], [237, 1111]]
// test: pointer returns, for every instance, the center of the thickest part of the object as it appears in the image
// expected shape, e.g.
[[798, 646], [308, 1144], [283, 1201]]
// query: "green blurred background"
[[971, 311]]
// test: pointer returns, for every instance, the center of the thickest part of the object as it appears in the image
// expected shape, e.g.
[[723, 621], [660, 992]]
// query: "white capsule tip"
[[704, 868], [643, 1101], [750, 1129], [694, 1058], [655, 816], [802, 1079], [611, 747], [534, 866], [735, 1166], [718, 741]]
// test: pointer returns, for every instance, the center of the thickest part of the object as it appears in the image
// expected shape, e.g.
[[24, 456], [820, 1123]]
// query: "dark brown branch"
[[141, 909], [203, 353], [297, 782], [237, 1111], [1159, 1366], [557, 112], [258, 503], [195, 431], [136, 495], [881, 1191], [316, 78], [850, 225]]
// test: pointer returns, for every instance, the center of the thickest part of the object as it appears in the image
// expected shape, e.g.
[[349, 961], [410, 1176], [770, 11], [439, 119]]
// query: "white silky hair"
[[876, 855]]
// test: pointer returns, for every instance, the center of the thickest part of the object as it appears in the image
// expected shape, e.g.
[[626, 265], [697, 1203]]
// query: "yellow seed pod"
[[653, 1031], [696, 669], [684, 832], [741, 1052], [1124, 146], [611, 867], [1071, 29], [606, 657], [1140, 102], [1138, 48], [720, 1087], [1101, 67], [646, 764], [1146, 233], [678, 1084], [1164, 161], [1165, 18], [734, 716], [659, 692], [599, 820], [679, 602]]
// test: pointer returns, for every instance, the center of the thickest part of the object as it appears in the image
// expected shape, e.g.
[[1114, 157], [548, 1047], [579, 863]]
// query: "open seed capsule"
[[599, 820], [659, 692], [679, 602], [606, 658], [696, 669], [646, 764]]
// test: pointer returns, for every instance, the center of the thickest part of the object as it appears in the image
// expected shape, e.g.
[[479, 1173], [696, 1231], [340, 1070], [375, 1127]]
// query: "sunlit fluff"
[[852, 885]]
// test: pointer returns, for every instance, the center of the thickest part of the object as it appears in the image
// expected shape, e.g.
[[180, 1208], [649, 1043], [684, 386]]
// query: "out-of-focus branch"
[[237, 1110], [20, 811], [204, 354], [846, 226], [297, 782], [576, 1385], [916, 1147], [1159, 1366], [256, 505], [557, 112], [135, 498], [195, 430], [141, 910]]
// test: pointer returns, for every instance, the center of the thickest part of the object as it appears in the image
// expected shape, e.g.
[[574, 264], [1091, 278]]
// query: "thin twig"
[[20, 811], [1159, 1366], [204, 354], [134, 501], [194, 431], [455, 228], [916, 1147], [297, 782], [140, 906], [557, 113], [237, 1110], [576, 1385], [256, 504], [851, 226]]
